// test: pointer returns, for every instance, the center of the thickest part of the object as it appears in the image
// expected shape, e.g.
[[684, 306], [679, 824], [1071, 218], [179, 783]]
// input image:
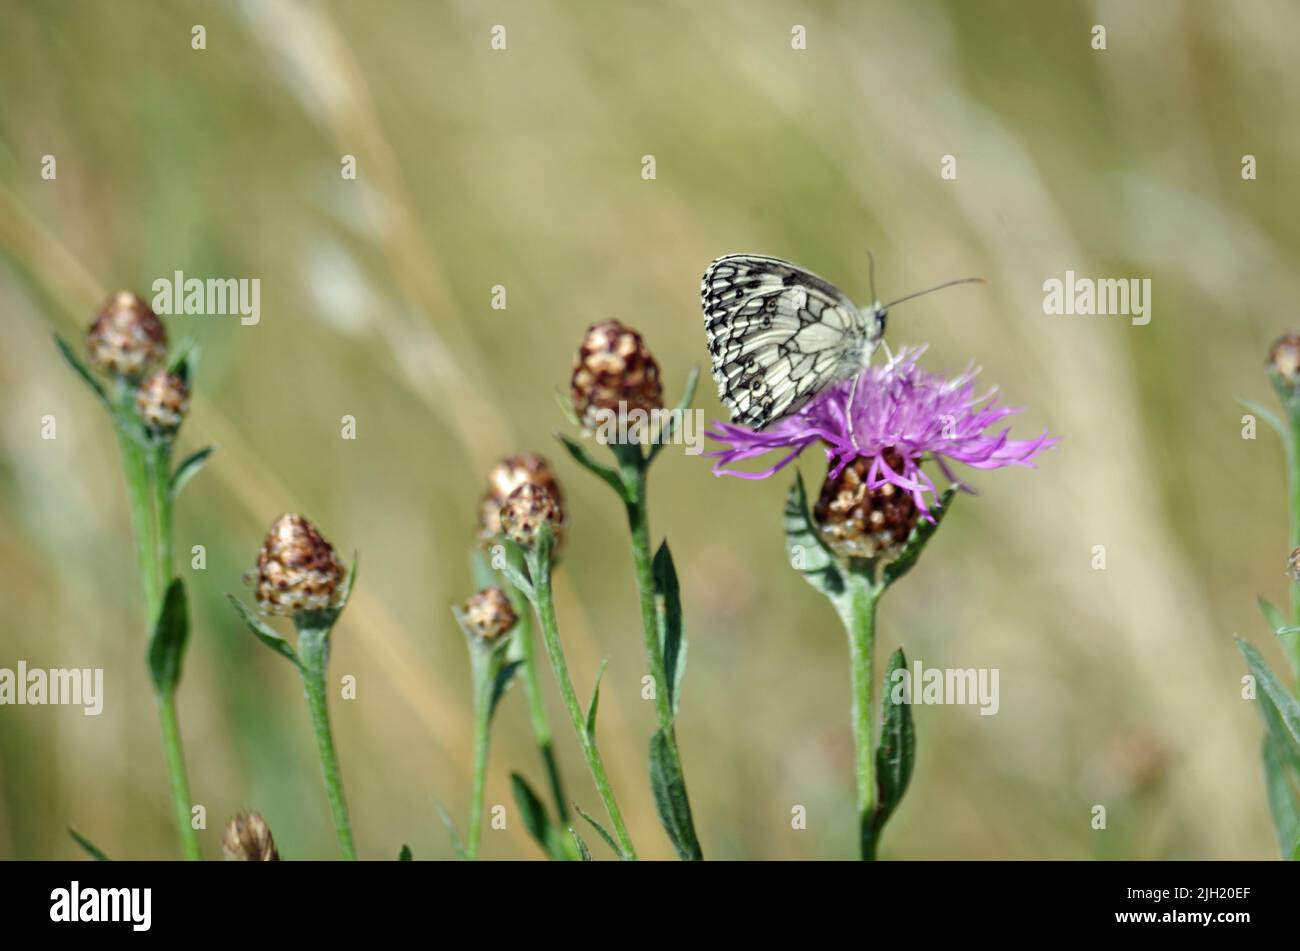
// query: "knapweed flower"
[[248, 839], [297, 569], [525, 468], [162, 401], [488, 614], [527, 509], [126, 338], [612, 371], [901, 415], [861, 522]]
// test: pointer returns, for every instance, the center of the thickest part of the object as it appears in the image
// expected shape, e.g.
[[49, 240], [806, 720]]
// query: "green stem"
[[1292, 641], [313, 653], [539, 565], [537, 708], [858, 611], [634, 482], [180, 785], [484, 675]]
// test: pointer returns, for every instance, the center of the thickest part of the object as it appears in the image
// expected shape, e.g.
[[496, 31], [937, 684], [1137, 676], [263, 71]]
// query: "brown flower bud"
[[126, 338], [527, 508], [489, 614], [248, 839], [162, 401], [506, 476], [1293, 565], [858, 522], [1284, 359], [297, 569], [613, 366]]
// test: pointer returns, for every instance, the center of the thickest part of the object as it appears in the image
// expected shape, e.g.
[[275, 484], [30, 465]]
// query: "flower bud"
[[859, 522], [126, 338], [506, 476], [488, 614], [1293, 565], [613, 367], [248, 839], [297, 569], [528, 508], [162, 401], [1284, 359]]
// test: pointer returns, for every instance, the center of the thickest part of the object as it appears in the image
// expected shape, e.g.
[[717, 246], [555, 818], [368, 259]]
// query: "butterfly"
[[780, 335]]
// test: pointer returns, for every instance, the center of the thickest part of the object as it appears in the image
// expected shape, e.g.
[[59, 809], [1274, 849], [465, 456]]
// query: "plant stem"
[[539, 565], [313, 653], [1292, 641], [180, 785], [537, 709], [634, 482], [858, 611], [483, 680]]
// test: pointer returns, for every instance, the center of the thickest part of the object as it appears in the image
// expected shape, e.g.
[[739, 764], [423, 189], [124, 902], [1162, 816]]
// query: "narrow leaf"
[[1282, 710], [1267, 415], [668, 610], [669, 790], [919, 538], [584, 853], [167, 645], [683, 407], [87, 377], [896, 752], [189, 468], [595, 699], [1282, 800], [263, 632], [456, 844], [1272, 616], [90, 848], [583, 458], [604, 833], [536, 821], [500, 683], [184, 361], [405, 854], [808, 553]]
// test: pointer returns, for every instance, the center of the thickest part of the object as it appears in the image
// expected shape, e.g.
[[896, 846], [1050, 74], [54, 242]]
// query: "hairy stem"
[[313, 653], [858, 611], [483, 681]]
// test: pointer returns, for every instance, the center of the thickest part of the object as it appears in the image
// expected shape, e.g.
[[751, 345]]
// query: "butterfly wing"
[[778, 336]]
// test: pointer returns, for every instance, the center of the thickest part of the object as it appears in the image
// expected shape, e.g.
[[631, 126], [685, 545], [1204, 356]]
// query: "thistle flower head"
[[613, 366], [248, 839], [488, 614], [526, 510], [162, 401], [126, 338], [525, 468], [858, 521], [900, 415], [297, 569], [1284, 360]]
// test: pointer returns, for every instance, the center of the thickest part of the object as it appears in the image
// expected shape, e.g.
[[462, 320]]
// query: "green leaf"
[[70, 356], [171, 631], [1272, 616], [501, 682], [1283, 803], [604, 833], [189, 468], [683, 405], [405, 854], [583, 458], [456, 844], [184, 361], [1281, 710], [264, 633], [566, 407], [584, 853], [668, 610], [896, 752], [1267, 415], [90, 848], [595, 699], [808, 553], [535, 817], [669, 790], [917, 541]]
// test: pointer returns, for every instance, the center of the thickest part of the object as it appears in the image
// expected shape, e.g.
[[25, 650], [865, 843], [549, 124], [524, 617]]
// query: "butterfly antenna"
[[937, 287]]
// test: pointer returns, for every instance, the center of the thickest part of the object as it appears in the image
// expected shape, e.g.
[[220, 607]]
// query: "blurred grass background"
[[475, 168]]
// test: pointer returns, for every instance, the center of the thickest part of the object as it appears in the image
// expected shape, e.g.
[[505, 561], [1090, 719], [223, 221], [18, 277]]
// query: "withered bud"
[[527, 508], [297, 569], [489, 614], [248, 839], [506, 476], [162, 401], [858, 522], [1284, 359], [613, 367], [126, 338]]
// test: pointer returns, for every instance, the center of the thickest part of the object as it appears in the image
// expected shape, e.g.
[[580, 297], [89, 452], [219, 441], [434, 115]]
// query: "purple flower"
[[897, 406]]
